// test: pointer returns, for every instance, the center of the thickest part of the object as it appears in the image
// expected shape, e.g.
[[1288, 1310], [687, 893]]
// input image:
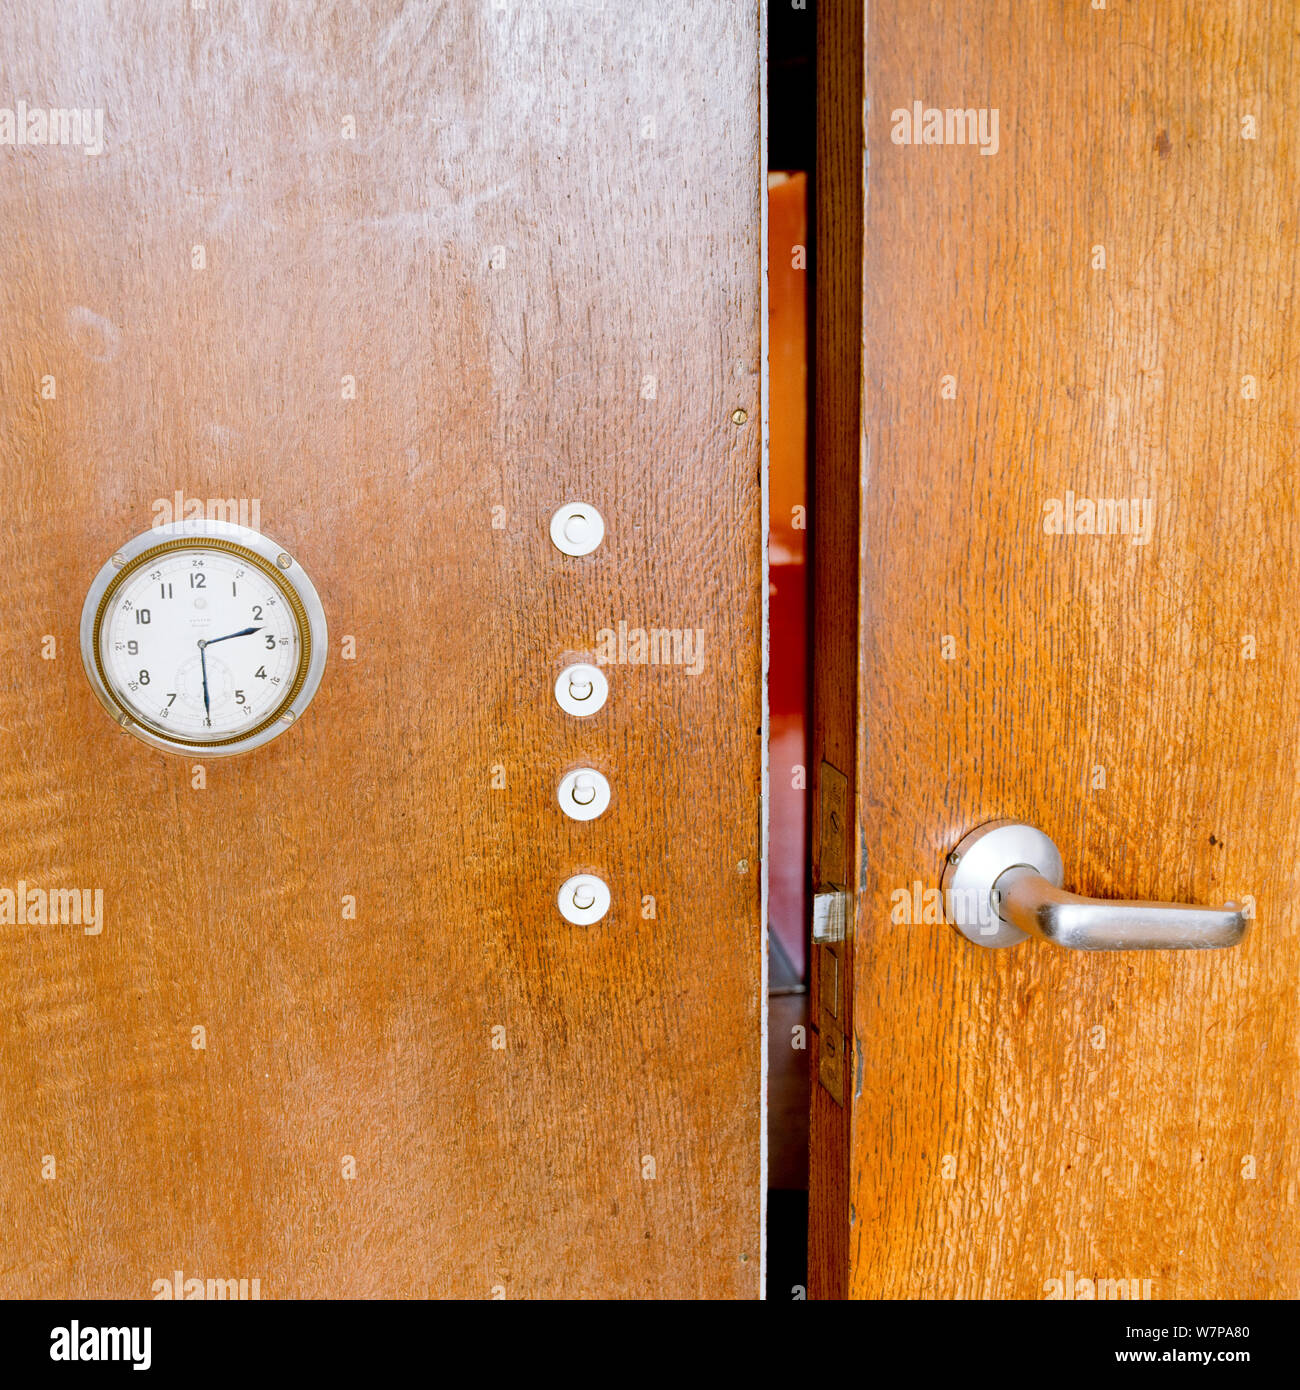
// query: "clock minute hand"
[[243, 632], [203, 665]]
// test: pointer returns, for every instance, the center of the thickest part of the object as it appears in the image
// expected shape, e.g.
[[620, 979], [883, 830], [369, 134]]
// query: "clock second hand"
[[203, 662]]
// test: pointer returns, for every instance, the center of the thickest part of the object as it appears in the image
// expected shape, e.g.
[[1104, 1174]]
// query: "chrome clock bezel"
[[277, 562]]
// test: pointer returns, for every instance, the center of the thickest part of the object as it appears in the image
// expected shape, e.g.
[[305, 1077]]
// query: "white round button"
[[583, 899], [584, 794], [581, 689], [577, 528]]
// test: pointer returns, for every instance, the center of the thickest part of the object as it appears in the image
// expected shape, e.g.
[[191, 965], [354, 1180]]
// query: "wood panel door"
[[406, 278], [1097, 306]]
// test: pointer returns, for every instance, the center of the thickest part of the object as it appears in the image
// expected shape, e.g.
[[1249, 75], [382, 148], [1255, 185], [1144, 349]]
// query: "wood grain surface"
[[539, 259], [835, 540], [1034, 1115]]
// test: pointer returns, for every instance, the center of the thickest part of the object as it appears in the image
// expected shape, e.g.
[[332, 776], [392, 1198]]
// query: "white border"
[[765, 791]]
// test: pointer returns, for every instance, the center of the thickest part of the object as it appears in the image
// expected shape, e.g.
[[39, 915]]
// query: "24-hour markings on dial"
[[200, 645]]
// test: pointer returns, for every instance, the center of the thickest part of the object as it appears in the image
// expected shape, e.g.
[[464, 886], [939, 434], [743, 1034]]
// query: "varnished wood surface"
[[835, 539], [542, 208], [1126, 1153]]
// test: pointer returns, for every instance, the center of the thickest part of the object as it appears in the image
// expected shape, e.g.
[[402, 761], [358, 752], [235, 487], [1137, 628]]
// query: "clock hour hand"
[[243, 632]]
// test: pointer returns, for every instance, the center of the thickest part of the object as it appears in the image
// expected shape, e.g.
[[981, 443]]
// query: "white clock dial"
[[204, 641], [200, 644]]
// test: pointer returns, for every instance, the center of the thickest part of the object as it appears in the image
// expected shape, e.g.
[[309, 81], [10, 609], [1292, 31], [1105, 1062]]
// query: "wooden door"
[[1103, 308], [408, 278]]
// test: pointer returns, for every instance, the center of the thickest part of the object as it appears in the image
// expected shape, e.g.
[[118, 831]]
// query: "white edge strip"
[[765, 790]]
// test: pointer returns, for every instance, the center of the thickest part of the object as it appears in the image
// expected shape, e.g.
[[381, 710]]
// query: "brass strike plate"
[[832, 828], [830, 1058], [830, 1024], [830, 908]]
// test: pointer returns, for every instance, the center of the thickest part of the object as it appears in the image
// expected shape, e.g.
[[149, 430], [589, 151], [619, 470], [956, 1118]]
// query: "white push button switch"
[[583, 899], [584, 794], [581, 689], [577, 528]]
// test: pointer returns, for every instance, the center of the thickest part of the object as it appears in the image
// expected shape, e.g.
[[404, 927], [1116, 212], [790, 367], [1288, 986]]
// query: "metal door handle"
[[1003, 883]]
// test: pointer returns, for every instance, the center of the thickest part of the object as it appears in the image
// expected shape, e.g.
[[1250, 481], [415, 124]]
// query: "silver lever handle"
[[1003, 883]]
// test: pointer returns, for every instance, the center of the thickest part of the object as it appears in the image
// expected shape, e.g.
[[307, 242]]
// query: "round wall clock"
[[204, 636]]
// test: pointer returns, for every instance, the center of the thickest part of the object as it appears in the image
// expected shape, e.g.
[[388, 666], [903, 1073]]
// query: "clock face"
[[203, 641]]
